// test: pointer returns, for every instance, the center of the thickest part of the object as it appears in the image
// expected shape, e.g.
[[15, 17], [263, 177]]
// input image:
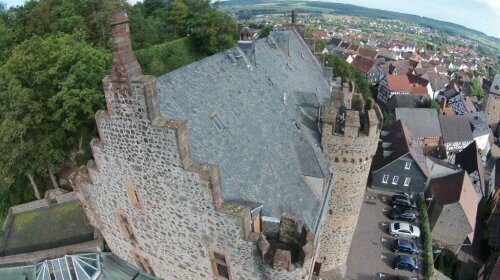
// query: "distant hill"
[[490, 42]]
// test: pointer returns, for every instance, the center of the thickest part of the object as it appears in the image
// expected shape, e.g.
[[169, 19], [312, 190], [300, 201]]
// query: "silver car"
[[404, 230]]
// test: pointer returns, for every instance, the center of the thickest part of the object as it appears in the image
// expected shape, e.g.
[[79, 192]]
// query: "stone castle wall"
[[178, 222], [492, 109], [155, 207]]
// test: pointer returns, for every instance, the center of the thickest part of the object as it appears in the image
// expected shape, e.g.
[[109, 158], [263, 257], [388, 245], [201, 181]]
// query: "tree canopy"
[[53, 57], [344, 70]]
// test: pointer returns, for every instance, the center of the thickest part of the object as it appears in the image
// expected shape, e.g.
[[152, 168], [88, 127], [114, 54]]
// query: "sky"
[[482, 15]]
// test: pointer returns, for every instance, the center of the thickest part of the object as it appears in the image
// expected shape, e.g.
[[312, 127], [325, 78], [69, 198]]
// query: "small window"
[[220, 264], [407, 182], [125, 227], [395, 180], [407, 165], [385, 179], [133, 195], [216, 121], [143, 263]]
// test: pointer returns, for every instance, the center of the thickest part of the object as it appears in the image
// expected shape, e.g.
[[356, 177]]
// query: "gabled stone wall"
[[182, 216]]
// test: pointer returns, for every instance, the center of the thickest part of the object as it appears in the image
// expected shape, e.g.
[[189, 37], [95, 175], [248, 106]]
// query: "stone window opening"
[[134, 196], [125, 227], [143, 263], [220, 264]]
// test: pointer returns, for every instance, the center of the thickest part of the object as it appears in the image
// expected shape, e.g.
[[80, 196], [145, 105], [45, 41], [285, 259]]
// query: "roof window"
[[216, 121]]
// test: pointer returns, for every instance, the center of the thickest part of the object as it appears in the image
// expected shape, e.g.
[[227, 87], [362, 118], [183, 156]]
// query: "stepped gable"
[[244, 116]]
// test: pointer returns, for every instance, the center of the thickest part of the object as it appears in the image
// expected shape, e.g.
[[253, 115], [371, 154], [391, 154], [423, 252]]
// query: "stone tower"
[[349, 139]]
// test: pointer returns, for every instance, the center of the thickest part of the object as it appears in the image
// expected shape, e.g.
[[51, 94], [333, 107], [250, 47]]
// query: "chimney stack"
[[125, 66], [294, 16]]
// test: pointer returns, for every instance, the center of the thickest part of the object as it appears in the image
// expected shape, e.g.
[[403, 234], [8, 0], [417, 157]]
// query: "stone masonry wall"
[[492, 109], [350, 166], [179, 222], [151, 203]]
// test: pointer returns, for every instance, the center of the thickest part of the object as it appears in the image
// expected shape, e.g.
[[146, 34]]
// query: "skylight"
[[216, 121]]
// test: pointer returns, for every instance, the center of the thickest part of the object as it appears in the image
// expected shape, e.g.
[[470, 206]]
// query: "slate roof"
[[362, 64], [401, 143], [266, 137], [470, 160], [422, 122], [478, 123], [457, 188], [492, 268], [407, 101], [495, 85], [455, 129], [439, 168], [334, 42], [494, 230]]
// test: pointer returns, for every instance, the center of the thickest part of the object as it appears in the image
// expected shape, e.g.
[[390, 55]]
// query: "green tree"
[[476, 89], [264, 32], [319, 45], [346, 71], [151, 6], [174, 18], [49, 90], [430, 103], [213, 31]]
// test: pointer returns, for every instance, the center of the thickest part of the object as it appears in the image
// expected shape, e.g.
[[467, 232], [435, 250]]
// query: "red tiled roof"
[[419, 90], [399, 83], [368, 52], [320, 34], [362, 64]]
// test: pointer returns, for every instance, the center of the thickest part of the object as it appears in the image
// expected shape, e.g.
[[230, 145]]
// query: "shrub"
[[428, 260], [163, 58]]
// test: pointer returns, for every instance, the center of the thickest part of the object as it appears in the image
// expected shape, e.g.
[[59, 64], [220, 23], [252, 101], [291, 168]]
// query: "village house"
[[456, 133], [424, 126], [399, 164], [368, 67], [452, 211]]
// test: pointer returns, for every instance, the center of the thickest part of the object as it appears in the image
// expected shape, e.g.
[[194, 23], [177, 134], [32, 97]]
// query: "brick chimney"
[[246, 34], [125, 66], [294, 16]]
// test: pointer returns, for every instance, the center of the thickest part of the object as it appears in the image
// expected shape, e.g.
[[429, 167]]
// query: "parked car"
[[397, 277], [403, 201], [405, 246], [404, 230], [406, 263], [403, 214]]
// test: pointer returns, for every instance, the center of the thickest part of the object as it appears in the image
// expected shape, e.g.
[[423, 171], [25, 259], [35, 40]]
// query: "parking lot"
[[371, 255]]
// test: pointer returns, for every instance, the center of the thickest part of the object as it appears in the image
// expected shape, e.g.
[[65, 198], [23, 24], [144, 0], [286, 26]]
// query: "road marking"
[[383, 239], [381, 275]]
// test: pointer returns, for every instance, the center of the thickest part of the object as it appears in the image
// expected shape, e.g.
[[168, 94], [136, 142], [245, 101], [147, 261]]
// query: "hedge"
[[426, 238]]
